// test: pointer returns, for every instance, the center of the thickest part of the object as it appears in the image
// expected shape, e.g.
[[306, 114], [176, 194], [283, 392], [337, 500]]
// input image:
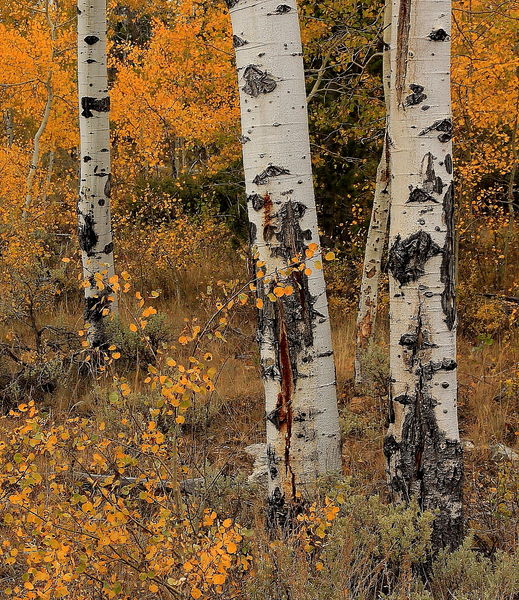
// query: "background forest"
[[133, 480]]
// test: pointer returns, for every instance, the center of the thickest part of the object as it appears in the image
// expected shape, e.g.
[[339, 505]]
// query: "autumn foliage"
[[118, 480]]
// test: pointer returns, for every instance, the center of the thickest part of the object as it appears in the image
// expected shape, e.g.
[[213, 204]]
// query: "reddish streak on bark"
[[267, 207], [402, 46], [284, 403]]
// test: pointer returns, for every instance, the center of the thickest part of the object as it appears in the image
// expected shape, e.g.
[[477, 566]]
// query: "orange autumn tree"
[[486, 109], [486, 101], [174, 99]]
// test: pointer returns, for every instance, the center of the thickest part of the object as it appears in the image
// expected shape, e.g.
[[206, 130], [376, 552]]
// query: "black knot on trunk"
[[407, 257], [417, 96], [438, 35], [442, 125], [257, 81], [91, 39], [404, 399], [419, 195], [238, 42], [270, 171], [256, 200], [409, 339], [89, 104], [282, 9], [87, 235]]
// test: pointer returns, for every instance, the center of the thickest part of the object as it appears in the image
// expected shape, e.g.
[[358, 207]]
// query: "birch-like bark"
[[422, 447], [303, 439], [49, 88], [377, 232], [95, 232]]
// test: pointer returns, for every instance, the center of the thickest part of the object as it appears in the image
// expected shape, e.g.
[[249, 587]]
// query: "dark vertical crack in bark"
[[402, 46], [424, 464], [289, 323], [87, 235], [448, 266]]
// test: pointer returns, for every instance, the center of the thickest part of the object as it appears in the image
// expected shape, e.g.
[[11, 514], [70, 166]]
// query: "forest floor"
[[219, 426]]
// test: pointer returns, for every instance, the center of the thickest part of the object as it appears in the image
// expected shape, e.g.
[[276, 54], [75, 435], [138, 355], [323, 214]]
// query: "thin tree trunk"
[[95, 232], [377, 232], [422, 447], [35, 158], [9, 126], [294, 331]]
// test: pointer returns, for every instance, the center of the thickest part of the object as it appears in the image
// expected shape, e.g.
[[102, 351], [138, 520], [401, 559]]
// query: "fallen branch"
[[513, 299]]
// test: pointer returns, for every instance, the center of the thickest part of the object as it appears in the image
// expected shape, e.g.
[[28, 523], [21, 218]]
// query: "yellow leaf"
[[259, 303], [196, 593], [329, 256], [133, 327], [65, 260], [279, 291]]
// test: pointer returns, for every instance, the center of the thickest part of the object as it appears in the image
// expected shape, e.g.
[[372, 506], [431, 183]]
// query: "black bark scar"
[[87, 235], [417, 96], [270, 171], [438, 35], [448, 266], [442, 125], [89, 104], [407, 257], [238, 42], [258, 81]]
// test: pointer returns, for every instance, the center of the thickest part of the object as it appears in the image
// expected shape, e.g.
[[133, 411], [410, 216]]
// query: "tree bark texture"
[[303, 438], [95, 232], [377, 232], [422, 447]]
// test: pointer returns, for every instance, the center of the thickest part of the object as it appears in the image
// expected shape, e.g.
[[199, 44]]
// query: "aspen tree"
[[294, 335], [377, 232], [422, 447], [95, 232]]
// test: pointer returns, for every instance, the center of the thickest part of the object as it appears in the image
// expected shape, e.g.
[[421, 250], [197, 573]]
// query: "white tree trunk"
[[303, 439], [422, 446], [377, 232], [95, 232]]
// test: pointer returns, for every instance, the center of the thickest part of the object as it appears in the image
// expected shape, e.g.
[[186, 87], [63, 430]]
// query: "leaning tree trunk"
[[422, 446], [95, 232], [294, 331], [377, 232]]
